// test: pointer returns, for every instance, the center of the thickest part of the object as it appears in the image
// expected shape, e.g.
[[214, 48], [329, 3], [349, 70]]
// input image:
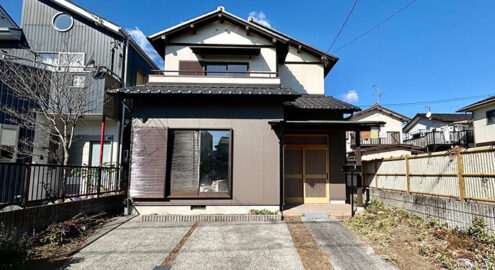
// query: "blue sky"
[[433, 50]]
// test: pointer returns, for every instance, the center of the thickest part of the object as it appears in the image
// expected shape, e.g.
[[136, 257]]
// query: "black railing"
[[36, 184], [434, 138]]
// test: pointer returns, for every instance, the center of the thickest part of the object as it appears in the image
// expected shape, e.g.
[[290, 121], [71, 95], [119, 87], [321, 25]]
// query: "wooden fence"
[[459, 173]]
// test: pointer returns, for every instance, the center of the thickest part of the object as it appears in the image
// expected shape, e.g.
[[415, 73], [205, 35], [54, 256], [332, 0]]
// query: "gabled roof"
[[477, 104], [280, 40], [440, 117], [321, 102], [5, 20], [207, 89], [384, 110], [104, 23]]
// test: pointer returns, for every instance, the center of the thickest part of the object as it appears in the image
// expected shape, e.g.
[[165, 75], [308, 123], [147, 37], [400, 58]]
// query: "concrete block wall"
[[38, 218], [453, 212]]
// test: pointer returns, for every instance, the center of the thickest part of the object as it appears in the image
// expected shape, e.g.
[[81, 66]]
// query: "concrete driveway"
[[239, 246], [132, 245], [144, 245]]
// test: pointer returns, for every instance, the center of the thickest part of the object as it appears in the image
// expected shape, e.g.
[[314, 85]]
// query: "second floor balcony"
[[438, 139], [391, 137], [214, 77]]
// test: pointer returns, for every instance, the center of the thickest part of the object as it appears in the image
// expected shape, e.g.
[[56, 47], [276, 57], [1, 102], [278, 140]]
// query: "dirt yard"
[[410, 242]]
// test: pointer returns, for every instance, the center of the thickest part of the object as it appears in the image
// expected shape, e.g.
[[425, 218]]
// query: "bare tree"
[[62, 90]]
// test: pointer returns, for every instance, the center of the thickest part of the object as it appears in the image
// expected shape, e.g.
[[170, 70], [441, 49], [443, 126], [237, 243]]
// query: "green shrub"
[[263, 212], [13, 251]]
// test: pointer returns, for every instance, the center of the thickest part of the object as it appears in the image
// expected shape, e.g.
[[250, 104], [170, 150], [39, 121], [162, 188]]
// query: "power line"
[[431, 101], [343, 25], [376, 26]]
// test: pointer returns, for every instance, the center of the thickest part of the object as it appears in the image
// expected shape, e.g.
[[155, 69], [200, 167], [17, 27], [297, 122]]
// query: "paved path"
[[239, 246], [132, 245], [345, 250]]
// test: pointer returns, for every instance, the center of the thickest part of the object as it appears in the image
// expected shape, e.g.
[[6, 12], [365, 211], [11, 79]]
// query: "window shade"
[[148, 162], [184, 167]]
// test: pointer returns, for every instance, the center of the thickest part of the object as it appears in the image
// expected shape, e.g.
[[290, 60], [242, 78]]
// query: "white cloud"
[[139, 37], [351, 96], [259, 17]]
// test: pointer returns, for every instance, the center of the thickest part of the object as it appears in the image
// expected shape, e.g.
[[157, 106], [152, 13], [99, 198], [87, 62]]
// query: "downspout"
[[102, 137], [282, 162], [122, 117]]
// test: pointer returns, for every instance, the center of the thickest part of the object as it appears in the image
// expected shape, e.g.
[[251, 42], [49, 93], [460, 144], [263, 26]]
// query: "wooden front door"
[[306, 174]]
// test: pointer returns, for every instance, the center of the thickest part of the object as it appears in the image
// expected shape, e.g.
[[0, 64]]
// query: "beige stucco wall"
[[256, 168], [304, 78], [483, 132]]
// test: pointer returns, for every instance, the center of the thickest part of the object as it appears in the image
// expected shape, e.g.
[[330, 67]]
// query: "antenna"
[[428, 114], [378, 93]]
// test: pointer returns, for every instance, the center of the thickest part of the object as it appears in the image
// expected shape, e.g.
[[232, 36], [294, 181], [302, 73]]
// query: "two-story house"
[[439, 131], [11, 37], [237, 120], [58, 31], [483, 120]]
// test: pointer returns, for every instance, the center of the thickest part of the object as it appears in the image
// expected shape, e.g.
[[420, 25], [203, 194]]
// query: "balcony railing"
[[438, 138], [196, 76], [393, 137]]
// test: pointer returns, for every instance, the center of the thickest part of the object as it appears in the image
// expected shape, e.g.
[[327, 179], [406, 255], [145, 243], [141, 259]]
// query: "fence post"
[[27, 182], [407, 175], [98, 186], [460, 174]]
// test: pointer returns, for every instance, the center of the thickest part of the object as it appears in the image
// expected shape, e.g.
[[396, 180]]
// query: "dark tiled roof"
[[322, 102], [377, 107], [207, 89], [447, 117], [476, 104]]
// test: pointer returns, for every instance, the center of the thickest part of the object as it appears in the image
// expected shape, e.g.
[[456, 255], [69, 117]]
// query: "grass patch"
[[410, 242]]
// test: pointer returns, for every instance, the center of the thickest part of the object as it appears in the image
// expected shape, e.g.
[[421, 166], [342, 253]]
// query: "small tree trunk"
[[65, 172]]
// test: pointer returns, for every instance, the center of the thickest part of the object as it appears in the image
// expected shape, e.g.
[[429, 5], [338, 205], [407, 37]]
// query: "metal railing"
[[461, 138], [36, 184], [201, 73], [393, 137]]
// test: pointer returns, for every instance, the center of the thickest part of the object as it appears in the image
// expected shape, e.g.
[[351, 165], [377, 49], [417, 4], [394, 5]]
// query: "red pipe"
[[102, 137]]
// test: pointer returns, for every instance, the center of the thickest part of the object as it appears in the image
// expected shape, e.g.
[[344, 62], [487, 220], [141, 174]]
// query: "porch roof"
[[327, 124], [207, 89]]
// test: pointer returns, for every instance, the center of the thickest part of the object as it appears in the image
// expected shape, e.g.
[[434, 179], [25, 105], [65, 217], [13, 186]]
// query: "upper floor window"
[[490, 117], [226, 69], [62, 22], [62, 60]]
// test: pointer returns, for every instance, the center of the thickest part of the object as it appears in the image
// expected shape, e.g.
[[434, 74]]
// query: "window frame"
[[62, 13], [226, 64], [200, 195], [488, 121], [90, 155]]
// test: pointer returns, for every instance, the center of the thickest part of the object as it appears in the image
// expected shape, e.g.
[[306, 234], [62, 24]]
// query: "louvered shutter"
[[148, 162], [193, 68]]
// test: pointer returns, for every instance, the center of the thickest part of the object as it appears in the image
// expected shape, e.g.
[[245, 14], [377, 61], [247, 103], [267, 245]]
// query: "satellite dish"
[[428, 114]]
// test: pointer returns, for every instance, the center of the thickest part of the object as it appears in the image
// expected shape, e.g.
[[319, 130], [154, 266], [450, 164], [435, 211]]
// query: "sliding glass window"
[[200, 163]]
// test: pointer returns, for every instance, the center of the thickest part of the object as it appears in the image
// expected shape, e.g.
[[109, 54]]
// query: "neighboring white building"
[[483, 120], [390, 133], [439, 131]]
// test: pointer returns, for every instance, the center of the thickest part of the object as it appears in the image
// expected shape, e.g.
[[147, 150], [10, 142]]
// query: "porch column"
[[357, 151]]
